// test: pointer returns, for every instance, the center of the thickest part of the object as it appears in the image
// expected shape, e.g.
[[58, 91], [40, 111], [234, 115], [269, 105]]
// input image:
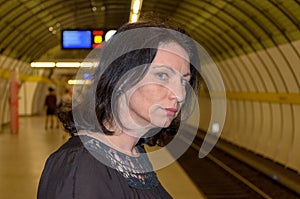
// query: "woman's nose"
[[177, 92]]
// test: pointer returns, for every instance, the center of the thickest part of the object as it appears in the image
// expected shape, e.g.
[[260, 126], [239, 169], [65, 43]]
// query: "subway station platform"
[[23, 155]]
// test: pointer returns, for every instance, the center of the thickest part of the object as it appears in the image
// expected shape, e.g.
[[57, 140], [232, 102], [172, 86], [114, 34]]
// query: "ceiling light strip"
[[42, 64], [135, 10], [62, 64]]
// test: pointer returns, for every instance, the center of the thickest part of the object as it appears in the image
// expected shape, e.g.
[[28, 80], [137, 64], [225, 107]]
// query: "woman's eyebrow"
[[165, 66], [186, 75]]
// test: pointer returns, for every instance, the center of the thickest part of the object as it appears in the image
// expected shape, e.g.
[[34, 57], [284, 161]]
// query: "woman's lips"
[[171, 111]]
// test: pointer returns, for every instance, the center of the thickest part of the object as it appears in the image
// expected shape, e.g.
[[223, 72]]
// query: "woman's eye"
[[162, 76], [184, 82]]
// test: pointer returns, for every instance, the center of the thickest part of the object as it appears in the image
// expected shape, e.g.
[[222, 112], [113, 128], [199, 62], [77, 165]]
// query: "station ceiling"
[[226, 28]]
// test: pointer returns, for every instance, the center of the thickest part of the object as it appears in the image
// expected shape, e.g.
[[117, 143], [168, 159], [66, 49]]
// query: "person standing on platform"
[[50, 104], [143, 82], [66, 101]]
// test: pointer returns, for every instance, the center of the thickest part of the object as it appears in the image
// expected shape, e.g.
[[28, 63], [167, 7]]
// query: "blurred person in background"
[[51, 104], [65, 101]]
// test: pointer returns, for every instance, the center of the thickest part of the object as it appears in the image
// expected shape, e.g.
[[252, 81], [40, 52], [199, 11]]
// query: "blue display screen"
[[76, 39]]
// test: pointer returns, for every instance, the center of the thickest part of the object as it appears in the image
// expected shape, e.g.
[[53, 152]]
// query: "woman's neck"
[[124, 142], [123, 138], [120, 141]]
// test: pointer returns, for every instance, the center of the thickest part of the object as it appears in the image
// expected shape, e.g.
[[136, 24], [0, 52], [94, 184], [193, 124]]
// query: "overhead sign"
[[84, 39]]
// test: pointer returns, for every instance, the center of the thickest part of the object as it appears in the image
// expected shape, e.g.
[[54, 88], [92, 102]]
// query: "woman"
[[143, 82]]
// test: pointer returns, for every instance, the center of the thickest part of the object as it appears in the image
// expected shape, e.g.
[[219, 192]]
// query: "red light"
[[97, 46], [98, 32]]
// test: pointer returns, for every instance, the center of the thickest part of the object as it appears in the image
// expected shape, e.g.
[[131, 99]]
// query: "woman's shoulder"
[[74, 142], [73, 160], [70, 148], [72, 170], [72, 153]]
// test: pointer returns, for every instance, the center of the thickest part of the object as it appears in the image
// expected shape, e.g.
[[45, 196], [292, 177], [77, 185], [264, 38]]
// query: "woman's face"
[[157, 99]]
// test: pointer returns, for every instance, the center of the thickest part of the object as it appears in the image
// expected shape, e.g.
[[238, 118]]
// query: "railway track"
[[220, 175]]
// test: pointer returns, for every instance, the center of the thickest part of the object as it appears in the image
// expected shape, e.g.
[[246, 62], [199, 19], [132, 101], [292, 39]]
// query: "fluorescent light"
[[43, 64], [136, 7], [87, 64], [63, 64], [78, 81], [68, 64], [135, 10], [134, 18]]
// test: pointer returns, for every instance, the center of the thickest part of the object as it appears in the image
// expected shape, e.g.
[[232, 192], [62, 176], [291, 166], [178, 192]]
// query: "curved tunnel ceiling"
[[225, 28]]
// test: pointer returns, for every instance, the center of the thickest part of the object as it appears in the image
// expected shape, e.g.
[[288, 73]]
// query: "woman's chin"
[[162, 124]]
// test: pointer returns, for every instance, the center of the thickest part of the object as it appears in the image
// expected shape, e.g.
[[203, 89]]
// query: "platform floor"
[[22, 157]]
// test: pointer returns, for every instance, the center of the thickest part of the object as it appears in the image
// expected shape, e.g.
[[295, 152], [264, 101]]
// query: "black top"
[[76, 170], [50, 101]]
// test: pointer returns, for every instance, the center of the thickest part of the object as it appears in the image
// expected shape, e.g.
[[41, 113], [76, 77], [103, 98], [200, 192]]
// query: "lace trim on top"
[[131, 168]]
